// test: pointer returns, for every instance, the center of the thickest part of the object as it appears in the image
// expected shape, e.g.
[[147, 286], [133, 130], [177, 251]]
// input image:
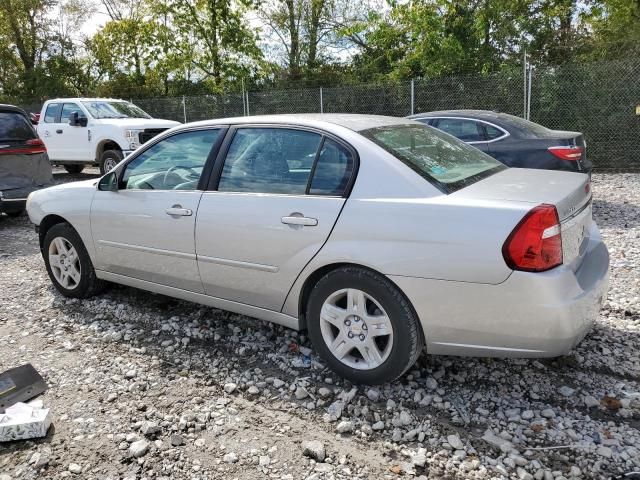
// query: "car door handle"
[[178, 211], [59, 131], [299, 220]]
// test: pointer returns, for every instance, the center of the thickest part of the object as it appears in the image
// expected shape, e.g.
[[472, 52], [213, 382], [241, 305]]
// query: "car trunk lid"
[[569, 192]]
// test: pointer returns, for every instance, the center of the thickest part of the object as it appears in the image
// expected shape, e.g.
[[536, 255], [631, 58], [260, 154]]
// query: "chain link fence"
[[600, 100]]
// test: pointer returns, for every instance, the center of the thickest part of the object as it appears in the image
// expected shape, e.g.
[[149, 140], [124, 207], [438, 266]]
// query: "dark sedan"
[[514, 141], [24, 165]]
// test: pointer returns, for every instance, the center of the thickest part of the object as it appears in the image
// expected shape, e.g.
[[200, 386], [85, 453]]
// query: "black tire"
[[107, 156], [407, 331], [73, 168], [89, 284], [15, 213]]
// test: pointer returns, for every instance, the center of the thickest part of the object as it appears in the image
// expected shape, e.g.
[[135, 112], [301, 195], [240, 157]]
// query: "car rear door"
[[145, 229], [272, 205], [48, 127]]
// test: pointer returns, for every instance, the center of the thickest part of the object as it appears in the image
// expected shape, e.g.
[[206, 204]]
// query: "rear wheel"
[[109, 159], [73, 168], [363, 326], [68, 263]]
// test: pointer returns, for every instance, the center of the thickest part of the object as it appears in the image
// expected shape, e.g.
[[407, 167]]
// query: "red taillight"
[[35, 145], [535, 245], [567, 153]]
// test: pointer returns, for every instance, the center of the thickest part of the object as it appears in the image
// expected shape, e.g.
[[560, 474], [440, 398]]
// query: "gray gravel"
[[144, 386]]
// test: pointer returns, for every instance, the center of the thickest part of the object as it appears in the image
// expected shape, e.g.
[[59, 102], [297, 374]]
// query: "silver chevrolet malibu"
[[377, 235]]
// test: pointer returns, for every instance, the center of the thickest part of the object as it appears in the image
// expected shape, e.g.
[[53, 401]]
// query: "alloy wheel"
[[64, 263], [356, 329]]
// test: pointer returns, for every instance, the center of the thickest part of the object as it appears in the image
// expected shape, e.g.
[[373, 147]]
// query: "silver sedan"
[[378, 235]]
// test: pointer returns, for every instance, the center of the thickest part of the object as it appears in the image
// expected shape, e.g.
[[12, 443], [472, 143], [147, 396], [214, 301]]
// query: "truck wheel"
[[74, 168], [109, 159]]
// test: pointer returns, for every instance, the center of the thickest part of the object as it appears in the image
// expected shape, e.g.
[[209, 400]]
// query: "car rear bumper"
[[528, 315]]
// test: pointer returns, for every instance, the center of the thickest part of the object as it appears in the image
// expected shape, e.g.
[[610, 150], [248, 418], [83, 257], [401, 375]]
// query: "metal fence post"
[[321, 107], [529, 93], [248, 103], [524, 96], [184, 108], [412, 96]]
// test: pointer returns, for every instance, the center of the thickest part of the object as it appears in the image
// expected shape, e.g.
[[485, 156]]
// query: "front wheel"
[[68, 263], [109, 160], [363, 326]]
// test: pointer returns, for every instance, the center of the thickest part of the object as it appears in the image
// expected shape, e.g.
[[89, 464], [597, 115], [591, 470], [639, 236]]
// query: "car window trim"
[[484, 122], [206, 170], [214, 180]]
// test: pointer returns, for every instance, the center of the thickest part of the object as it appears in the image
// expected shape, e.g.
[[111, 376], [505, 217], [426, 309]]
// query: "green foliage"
[[155, 48]]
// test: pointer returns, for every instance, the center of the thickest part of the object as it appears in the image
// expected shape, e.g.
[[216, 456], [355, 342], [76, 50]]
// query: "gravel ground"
[[146, 387]]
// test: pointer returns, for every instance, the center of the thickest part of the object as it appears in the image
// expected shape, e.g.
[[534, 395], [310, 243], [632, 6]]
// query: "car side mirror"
[[109, 183], [75, 120]]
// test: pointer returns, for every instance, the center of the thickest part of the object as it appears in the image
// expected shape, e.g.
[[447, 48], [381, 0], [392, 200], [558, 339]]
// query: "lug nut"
[[350, 334], [357, 319], [364, 326], [362, 337], [347, 322]]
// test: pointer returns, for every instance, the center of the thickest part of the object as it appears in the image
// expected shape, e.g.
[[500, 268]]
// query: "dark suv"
[[24, 165]]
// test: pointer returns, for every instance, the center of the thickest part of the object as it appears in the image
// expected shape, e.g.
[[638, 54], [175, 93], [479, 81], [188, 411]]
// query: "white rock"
[[139, 448], [230, 387], [314, 449], [75, 468], [345, 426], [230, 457], [566, 391], [455, 442]]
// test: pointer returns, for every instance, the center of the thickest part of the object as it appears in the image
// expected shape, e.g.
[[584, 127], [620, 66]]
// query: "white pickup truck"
[[95, 131]]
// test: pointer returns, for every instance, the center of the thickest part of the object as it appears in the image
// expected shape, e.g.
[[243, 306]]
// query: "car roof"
[[355, 122], [85, 99], [487, 115], [11, 108]]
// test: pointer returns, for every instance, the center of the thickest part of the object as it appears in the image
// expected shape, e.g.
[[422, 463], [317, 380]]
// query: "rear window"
[[15, 127], [447, 163]]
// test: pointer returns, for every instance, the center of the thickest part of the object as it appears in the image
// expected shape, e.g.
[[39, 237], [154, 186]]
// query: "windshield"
[[440, 158], [106, 109]]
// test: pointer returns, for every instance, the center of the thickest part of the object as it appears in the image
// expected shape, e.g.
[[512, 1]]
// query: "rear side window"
[[15, 127], [333, 170], [465, 130], [52, 112], [493, 132], [447, 163], [269, 160]]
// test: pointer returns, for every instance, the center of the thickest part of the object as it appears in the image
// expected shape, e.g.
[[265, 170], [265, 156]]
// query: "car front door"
[[75, 139], [145, 229], [279, 194]]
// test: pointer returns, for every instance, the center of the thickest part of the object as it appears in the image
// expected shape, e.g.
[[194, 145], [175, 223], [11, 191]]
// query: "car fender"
[[71, 202]]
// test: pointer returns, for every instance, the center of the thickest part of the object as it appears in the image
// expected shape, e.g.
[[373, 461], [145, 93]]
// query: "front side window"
[[333, 170], [465, 130], [269, 160], [68, 109], [113, 109], [51, 114], [175, 163], [446, 162]]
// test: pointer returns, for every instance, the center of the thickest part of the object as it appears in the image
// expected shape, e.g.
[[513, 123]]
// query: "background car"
[[395, 236], [24, 165], [514, 141]]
